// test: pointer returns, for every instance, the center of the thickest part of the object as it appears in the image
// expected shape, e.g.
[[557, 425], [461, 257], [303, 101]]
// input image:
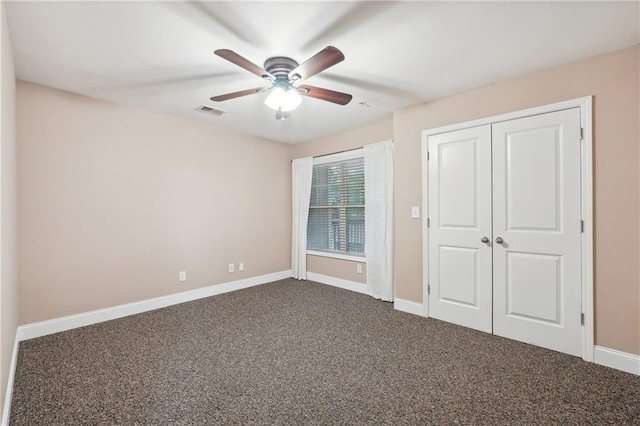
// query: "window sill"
[[350, 257]]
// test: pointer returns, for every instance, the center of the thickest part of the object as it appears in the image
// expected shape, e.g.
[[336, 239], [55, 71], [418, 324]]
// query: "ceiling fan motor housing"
[[280, 67]]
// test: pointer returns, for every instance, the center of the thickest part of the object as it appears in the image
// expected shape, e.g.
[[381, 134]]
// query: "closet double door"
[[504, 232]]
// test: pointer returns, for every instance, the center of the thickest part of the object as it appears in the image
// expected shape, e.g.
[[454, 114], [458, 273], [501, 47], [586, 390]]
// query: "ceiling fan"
[[285, 75]]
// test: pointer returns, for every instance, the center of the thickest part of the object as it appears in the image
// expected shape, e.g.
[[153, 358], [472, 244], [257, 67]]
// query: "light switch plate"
[[415, 212]]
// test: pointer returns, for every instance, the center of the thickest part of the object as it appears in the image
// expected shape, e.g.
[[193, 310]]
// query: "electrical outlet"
[[182, 276], [240, 267], [359, 268], [232, 268]]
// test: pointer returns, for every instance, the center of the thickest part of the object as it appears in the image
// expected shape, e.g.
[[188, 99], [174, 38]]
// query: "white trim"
[[586, 113], [586, 179], [56, 325], [6, 412], [352, 258], [408, 306], [339, 156], [617, 359], [423, 224], [543, 109], [338, 282]]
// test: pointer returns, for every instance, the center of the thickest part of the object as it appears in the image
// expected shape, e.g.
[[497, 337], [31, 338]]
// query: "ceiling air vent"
[[211, 110]]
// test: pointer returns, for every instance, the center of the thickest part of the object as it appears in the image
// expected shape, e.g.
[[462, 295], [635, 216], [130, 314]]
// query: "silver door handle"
[[484, 239], [499, 240]]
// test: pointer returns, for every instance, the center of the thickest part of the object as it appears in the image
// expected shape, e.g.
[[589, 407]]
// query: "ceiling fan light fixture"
[[283, 99]]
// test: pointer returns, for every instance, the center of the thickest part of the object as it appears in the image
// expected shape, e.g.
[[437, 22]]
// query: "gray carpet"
[[305, 353]]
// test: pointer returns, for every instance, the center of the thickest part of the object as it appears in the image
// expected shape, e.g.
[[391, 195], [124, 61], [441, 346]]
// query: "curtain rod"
[[333, 153]]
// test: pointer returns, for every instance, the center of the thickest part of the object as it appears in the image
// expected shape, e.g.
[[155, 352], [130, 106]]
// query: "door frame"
[[586, 182]]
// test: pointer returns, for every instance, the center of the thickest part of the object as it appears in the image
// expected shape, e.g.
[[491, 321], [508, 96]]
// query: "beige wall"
[[344, 269], [614, 81], [8, 207], [115, 201], [357, 138], [377, 132]]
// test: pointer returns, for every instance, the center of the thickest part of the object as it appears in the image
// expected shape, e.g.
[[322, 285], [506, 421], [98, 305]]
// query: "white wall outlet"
[[232, 268], [182, 276], [359, 268], [240, 267], [415, 212]]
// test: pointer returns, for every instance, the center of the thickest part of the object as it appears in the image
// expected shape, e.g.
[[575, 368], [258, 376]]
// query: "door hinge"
[[582, 226], [427, 155], [581, 318], [428, 222], [581, 133], [428, 289]]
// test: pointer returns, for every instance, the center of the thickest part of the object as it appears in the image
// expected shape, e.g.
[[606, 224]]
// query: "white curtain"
[[301, 174], [378, 184]]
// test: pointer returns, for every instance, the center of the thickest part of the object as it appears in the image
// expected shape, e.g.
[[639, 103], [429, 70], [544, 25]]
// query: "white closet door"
[[460, 216], [536, 199]]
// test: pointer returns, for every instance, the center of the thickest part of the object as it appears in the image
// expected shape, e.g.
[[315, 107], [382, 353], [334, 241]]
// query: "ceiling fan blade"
[[234, 95], [327, 57], [234, 58], [325, 94]]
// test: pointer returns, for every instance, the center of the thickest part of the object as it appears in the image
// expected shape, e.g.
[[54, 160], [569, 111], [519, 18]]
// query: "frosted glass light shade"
[[286, 100]]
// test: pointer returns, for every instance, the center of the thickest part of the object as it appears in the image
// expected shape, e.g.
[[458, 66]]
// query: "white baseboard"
[[338, 282], [43, 328], [6, 411], [408, 306], [616, 359]]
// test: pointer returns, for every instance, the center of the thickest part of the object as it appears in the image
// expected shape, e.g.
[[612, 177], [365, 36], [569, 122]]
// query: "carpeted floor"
[[305, 353]]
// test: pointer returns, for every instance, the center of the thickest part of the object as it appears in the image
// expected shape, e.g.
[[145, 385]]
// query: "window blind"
[[336, 211]]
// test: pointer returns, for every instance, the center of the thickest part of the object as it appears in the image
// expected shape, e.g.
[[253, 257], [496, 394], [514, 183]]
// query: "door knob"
[[499, 240], [484, 239]]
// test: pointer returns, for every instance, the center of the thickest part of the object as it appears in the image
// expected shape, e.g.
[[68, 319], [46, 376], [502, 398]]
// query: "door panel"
[[532, 179], [458, 281], [458, 180], [536, 210], [460, 215], [534, 296]]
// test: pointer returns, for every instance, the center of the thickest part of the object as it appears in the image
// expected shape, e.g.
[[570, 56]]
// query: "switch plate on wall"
[[415, 212], [182, 276], [359, 268], [232, 268], [240, 267]]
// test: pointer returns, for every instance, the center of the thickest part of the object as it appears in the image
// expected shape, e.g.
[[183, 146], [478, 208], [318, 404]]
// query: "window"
[[336, 211]]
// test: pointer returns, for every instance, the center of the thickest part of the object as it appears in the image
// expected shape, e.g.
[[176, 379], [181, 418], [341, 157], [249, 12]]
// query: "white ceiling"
[[159, 55]]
